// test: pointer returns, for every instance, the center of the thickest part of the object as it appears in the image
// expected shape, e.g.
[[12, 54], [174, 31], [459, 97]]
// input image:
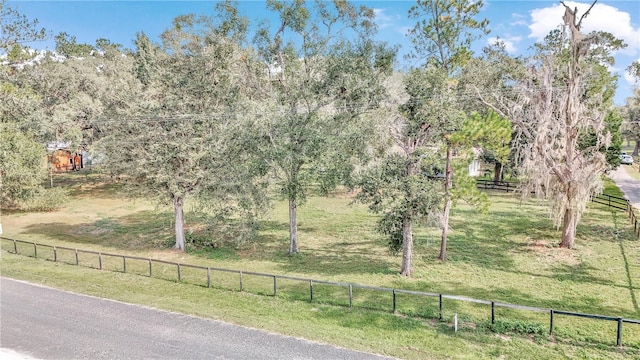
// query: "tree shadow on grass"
[[494, 255], [139, 231], [629, 279], [332, 258], [88, 184], [334, 262], [582, 273], [486, 241]]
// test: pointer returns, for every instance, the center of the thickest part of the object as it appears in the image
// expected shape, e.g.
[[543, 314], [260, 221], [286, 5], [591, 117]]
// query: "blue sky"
[[518, 23]]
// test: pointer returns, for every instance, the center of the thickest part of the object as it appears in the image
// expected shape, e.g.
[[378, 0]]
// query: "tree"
[[16, 29], [67, 46], [442, 38], [444, 32], [21, 155], [559, 108], [68, 90], [182, 136], [631, 118], [398, 185], [324, 73], [490, 133], [21, 166]]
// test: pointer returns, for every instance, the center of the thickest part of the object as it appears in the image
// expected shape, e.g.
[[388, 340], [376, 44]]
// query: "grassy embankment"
[[509, 256]]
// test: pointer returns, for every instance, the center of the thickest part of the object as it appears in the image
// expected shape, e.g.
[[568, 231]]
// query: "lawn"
[[509, 255]]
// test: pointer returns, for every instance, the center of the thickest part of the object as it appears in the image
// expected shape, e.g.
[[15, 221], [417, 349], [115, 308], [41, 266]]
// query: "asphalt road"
[[46, 323], [629, 186]]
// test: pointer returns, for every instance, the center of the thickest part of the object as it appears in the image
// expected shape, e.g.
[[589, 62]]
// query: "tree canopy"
[[558, 101], [182, 136], [324, 71]]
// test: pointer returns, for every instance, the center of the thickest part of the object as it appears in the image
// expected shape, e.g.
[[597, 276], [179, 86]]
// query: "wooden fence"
[[145, 267], [611, 201]]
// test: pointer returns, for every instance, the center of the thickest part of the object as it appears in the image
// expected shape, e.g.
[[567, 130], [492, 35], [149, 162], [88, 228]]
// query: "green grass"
[[610, 188], [509, 255]]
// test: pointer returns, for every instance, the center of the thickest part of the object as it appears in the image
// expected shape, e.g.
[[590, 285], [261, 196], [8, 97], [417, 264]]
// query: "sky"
[[519, 24]]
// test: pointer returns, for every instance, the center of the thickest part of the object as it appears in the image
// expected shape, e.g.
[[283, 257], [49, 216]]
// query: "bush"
[[45, 199], [221, 232]]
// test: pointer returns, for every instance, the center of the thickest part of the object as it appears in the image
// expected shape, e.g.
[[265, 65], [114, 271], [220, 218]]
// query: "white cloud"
[[518, 20], [382, 19], [509, 43], [601, 18]]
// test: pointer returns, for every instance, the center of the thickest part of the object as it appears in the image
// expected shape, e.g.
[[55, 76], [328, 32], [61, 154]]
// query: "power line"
[[331, 109]]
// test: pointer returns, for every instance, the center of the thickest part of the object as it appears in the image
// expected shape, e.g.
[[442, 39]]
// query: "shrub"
[[518, 327], [45, 200]]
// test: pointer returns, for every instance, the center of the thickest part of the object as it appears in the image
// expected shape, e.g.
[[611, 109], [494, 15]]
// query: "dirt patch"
[[100, 231], [549, 252], [469, 325]]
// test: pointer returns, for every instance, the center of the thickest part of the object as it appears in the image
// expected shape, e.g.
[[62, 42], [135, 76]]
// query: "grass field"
[[509, 255]]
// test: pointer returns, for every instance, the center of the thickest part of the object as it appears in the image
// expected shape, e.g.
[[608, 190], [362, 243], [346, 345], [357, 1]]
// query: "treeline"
[[221, 116]]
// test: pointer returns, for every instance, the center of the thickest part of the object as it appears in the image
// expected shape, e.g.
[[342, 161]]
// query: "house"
[[61, 159]]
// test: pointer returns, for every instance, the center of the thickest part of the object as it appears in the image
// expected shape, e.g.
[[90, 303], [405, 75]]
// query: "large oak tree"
[[325, 71], [179, 133], [559, 102]]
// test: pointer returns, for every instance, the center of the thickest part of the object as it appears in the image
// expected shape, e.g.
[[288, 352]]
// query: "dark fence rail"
[[32, 250], [611, 201]]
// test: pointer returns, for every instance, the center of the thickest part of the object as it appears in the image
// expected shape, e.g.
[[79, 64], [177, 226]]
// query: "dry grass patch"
[[548, 252]]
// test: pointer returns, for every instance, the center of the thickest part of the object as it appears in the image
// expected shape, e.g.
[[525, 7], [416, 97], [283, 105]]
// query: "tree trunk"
[[448, 184], [568, 229], [178, 203], [407, 232], [407, 248], [293, 226], [636, 149], [497, 172]]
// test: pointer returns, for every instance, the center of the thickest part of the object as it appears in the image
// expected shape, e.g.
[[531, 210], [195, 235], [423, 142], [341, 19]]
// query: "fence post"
[[394, 301], [179, 275], [15, 247], [550, 321], [493, 313], [350, 296], [35, 249], [55, 254], [208, 277], [150, 271], [619, 338], [275, 285], [240, 280], [310, 290], [124, 264], [100, 260], [440, 305], [77, 261]]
